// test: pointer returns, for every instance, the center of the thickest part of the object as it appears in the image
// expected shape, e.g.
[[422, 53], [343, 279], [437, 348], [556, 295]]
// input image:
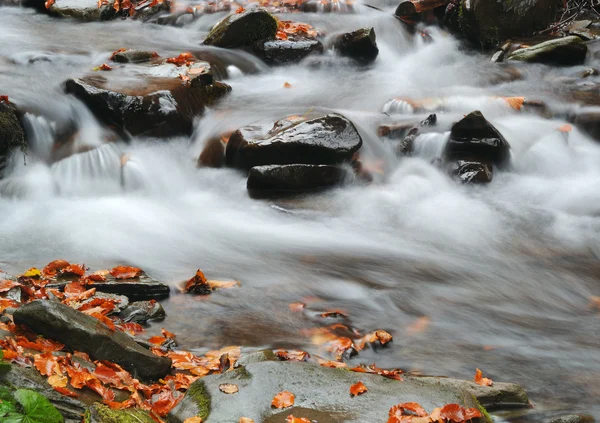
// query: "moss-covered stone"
[[243, 29], [12, 135], [197, 402], [99, 413], [562, 51]]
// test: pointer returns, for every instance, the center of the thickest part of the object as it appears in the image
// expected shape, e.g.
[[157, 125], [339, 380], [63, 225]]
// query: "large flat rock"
[[81, 332], [320, 393]]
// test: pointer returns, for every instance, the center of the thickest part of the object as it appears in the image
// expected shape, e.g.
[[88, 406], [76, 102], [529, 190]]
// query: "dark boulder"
[[573, 418], [328, 139], [283, 52], [359, 45], [213, 153], [562, 51], [472, 171], [142, 311], [284, 180], [321, 394], [85, 10], [158, 106], [243, 29], [81, 332], [489, 22], [473, 137], [134, 56], [12, 135], [587, 119]]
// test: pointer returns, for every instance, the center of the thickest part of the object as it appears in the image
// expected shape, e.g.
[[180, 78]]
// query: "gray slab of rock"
[[573, 418], [283, 180], [328, 139], [499, 395], [81, 332], [472, 171], [159, 104], [320, 392], [12, 135], [142, 311], [473, 137], [284, 52], [360, 45], [85, 10], [29, 378], [134, 56], [243, 29], [562, 51]]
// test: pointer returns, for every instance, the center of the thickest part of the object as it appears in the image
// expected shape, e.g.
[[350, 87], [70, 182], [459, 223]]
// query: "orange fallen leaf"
[[287, 85], [114, 53], [357, 389], [58, 381], [246, 420], [334, 364], [49, 3], [292, 419], [184, 78], [228, 388], [157, 340], [240, 10], [566, 128], [65, 391], [334, 314], [196, 419], [73, 269], [456, 413], [104, 67], [281, 35], [182, 59], [515, 102], [105, 320], [4, 99], [198, 284], [297, 307], [54, 267], [125, 272], [480, 380], [283, 399], [7, 285], [292, 355]]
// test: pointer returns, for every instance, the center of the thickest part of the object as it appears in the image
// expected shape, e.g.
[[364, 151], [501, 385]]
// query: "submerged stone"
[[284, 180], [320, 392], [472, 171], [243, 29], [81, 332], [134, 56], [562, 51], [328, 139], [283, 52], [360, 45]]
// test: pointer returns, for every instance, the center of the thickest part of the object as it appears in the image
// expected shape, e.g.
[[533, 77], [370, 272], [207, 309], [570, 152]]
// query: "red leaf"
[[165, 401], [198, 284], [75, 269], [132, 328], [106, 393], [7, 285], [54, 267], [66, 392], [49, 3], [240, 10], [283, 399], [4, 99], [480, 380], [182, 59], [105, 320], [357, 389], [46, 363]]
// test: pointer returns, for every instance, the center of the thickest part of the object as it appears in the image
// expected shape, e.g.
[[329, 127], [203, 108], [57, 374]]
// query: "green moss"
[[99, 413], [485, 416], [201, 397]]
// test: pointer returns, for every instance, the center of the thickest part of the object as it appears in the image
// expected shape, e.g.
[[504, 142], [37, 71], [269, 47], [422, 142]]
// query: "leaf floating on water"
[[283, 399], [515, 102], [292, 419], [565, 129], [228, 388], [103, 67], [480, 380], [297, 307], [198, 284], [125, 272], [287, 85], [358, 388]]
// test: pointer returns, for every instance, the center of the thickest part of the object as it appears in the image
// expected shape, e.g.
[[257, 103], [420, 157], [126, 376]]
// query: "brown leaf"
[[228, 388], [125, 272], [297, 307], [480, 380], [54, 267], [283, 399], [357, 389]]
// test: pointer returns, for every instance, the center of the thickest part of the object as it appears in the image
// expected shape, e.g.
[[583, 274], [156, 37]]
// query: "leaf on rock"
[[292, 419], [73, 269], [334, 314], [54, 267], [4, 99], [456, 413], [106, 393], [65, 391], [480, 380], [7, 285], [198, 284], [357, 389], [58, 381], [283, 399], [125, 272], [105, 320], [292, 355], [157, 340], [297, 307], [130, 328], [32, 273], [182, 59], [228, 388]]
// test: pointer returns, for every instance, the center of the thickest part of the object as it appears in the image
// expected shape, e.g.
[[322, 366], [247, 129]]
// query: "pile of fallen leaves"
[[412, 412], [287, 29]]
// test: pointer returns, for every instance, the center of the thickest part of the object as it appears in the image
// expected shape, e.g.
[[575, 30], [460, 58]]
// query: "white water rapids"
[[504, 272]]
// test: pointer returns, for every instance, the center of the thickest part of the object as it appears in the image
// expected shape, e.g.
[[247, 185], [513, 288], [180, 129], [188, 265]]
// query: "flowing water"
[[497, 277]]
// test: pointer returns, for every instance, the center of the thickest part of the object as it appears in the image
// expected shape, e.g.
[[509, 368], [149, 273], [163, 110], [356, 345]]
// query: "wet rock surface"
[[360, 45], [12, 135], [472, 171], [85, 10], [562, 51], [81, 332], [158, 106], [329, 139], [284, 180], [243, 29], [473, 137], [142, 311], [319, 391], [134, 56], [283, 52], [573, 418]]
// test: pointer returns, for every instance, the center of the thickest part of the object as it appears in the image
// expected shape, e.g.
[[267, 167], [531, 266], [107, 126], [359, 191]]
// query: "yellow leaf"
[[58, 381], [32, 273], [515, 102], [193, 420], [246, 420]]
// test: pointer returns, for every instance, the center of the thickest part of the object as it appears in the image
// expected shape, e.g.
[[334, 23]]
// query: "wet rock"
[[359, 45], [154, 105], [81, 332], [243, 29], [499, 395], [573, 418], [99, 413], [283, 52], [475, 138], [142, 311], [28, 378], [320, 393], [213, 154], [85, 10], [588, 120], [472, 171], [12, 135], [328, 139], [489, 22], [407, 145], [134, 56], [562, 51], [284, 180]]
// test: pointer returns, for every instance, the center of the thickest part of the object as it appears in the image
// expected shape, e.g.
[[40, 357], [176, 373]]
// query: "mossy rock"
[[561, 51], [243, 29], [12, 135], [99, 413]]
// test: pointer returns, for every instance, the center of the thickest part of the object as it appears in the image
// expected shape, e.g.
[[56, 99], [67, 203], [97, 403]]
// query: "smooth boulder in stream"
[[360, 45], [321, 394], [243, 29], [283, 52], [81, 332], [284, 180], [329, 139], [561, 51], [12, 134]]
